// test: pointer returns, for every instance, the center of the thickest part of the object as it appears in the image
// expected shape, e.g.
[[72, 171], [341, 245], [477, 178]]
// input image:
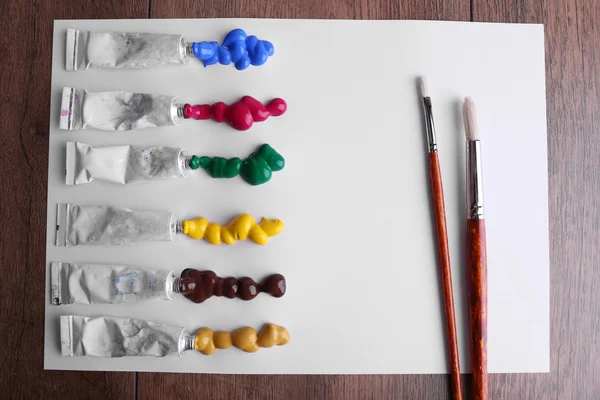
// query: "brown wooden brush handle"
[[437, 191], [477, 270]]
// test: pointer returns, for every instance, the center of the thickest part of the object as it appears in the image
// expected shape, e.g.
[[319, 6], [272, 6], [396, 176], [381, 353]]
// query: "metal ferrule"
[[186, 342], [175, 286], [474, 180], [179, 109], [188, 51], [184, 162], [178, 227], [175, 226], [429, 125]]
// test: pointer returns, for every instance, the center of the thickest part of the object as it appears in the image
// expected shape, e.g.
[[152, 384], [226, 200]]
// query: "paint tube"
[[119, 337], [104, 225], [116, 111], [74, 283], [122, 50], [124, 111], [86, 49], [122, 164], [83, 283]]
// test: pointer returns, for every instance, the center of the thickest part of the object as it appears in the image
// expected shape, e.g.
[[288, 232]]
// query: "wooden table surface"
[[573, 92]]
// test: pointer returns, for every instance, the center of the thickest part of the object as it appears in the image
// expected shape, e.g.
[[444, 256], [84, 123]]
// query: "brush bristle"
[[470, 118], [423, 87]]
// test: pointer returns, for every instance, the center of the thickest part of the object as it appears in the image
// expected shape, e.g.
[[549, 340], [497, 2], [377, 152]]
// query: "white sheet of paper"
[[358, 249]]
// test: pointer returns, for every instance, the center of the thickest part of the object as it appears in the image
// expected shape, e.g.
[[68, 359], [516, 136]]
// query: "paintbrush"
[[476, 254], [439, 212]]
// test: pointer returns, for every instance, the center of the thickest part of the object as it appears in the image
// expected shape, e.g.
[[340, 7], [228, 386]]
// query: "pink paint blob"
[[241, 115]]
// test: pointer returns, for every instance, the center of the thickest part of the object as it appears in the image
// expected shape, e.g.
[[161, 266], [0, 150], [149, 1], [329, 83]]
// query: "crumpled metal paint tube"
[[85, 49], [106, 225], [124, 111], [130, 337], [77, 283], [122, 164], [115, 111]]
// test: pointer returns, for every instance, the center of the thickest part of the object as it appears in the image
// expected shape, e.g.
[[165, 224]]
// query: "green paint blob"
[[220, 167], [259, 166], [256, 169], [195, 162]]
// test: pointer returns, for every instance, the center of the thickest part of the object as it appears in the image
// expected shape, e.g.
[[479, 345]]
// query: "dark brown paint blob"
[[199, 286]]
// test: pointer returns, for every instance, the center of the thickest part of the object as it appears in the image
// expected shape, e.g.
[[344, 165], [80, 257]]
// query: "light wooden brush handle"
[[477, 270]]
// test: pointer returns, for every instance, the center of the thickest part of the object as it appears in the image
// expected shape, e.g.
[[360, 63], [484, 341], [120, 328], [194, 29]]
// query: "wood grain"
[[477, 272], [573, 79], [336, 9], [439, 215]]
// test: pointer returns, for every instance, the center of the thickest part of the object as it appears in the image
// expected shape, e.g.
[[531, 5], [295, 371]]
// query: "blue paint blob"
[[237, 48]]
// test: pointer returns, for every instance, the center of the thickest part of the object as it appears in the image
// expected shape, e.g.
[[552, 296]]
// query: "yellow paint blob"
[[246, 339], [203, 341], [241, 227], [272, 335]]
